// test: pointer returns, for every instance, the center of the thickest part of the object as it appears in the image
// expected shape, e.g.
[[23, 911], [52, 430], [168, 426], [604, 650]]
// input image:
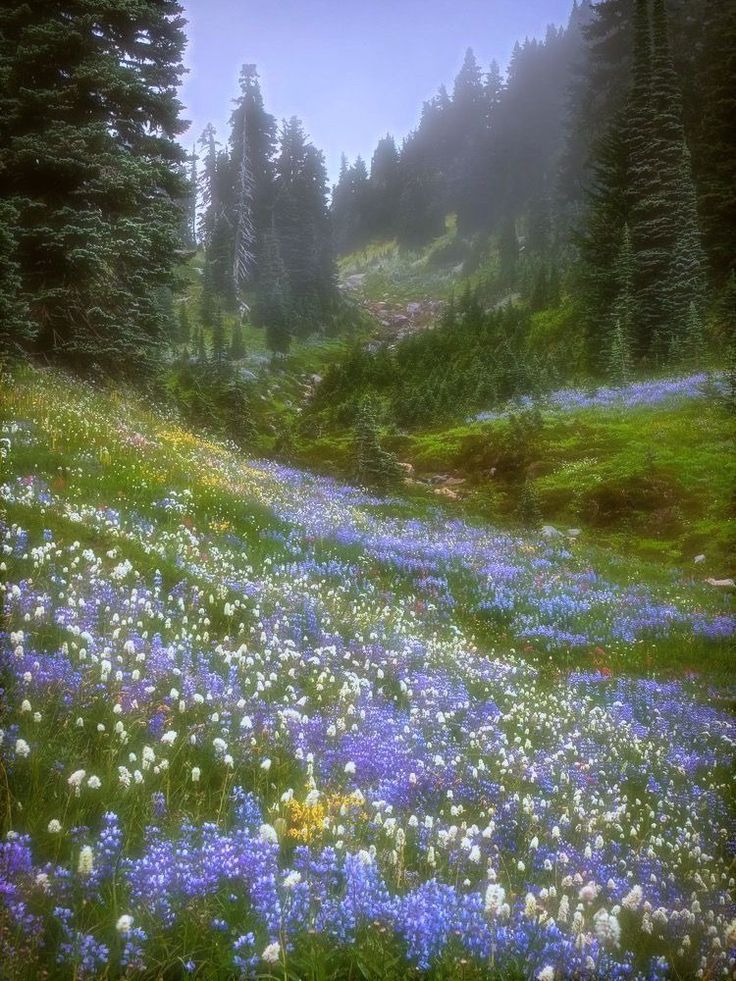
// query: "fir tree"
[[385, 189], [302, 226], [624, 313], [508, 254], [692, 346], [619, 356], [89, 161], [209, 184], [374, 465], [190, 212], [252, 142], [201, 348]]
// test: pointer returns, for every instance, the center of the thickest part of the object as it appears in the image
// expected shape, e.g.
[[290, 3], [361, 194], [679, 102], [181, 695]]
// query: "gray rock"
[[549, 531]]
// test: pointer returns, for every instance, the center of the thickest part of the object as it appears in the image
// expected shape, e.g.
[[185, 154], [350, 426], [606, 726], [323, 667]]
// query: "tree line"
[[263, 223], [602, 166]]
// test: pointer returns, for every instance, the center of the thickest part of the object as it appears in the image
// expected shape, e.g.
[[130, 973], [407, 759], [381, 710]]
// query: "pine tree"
[[600, 242], [647, 204], [190, 212], [385, 189], [688, 268], [508, 254], [244, 256], [624, 313], [684, 281], [209, 184], [692, 346], [90, 162]]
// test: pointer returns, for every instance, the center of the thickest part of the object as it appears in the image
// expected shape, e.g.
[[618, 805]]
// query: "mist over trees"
[[264, 221], [595, 175], [601, 165]]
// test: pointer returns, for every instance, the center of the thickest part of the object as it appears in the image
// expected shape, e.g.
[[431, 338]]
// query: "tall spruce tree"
[[302, 225], [252, 142], [90, 165]]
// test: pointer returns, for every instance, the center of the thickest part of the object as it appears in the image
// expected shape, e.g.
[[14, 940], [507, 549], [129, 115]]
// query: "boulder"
[[549, 531]]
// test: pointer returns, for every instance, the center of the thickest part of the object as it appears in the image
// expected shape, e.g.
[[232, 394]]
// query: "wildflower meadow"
[[257, 723]]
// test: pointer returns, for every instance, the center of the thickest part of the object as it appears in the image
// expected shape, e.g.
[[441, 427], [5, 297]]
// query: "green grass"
[[657, 483]]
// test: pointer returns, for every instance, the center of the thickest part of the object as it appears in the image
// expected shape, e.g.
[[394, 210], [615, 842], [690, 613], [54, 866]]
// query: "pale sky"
[[351, 71]]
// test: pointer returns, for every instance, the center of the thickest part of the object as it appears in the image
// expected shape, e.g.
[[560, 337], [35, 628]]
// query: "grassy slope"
[[132, 457], [656, 482], [659, 483], [102, 452]]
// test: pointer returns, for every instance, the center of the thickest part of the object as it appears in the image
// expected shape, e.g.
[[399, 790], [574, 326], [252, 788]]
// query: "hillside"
[[280, 722]]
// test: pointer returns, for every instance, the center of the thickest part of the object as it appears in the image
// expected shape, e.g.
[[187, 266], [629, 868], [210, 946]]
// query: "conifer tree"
[[218, 336], [209, 184], [237, 344], [715, 151], [90, 163], [272, 307], [207, 296], [375, 466], [16, 328], [185, 330], [252, 142], [692, 346], [619, 356], [201, 348], [688, 266], [385, 189], [624, 313], [529, 510], [302, 226], [190, 212]]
